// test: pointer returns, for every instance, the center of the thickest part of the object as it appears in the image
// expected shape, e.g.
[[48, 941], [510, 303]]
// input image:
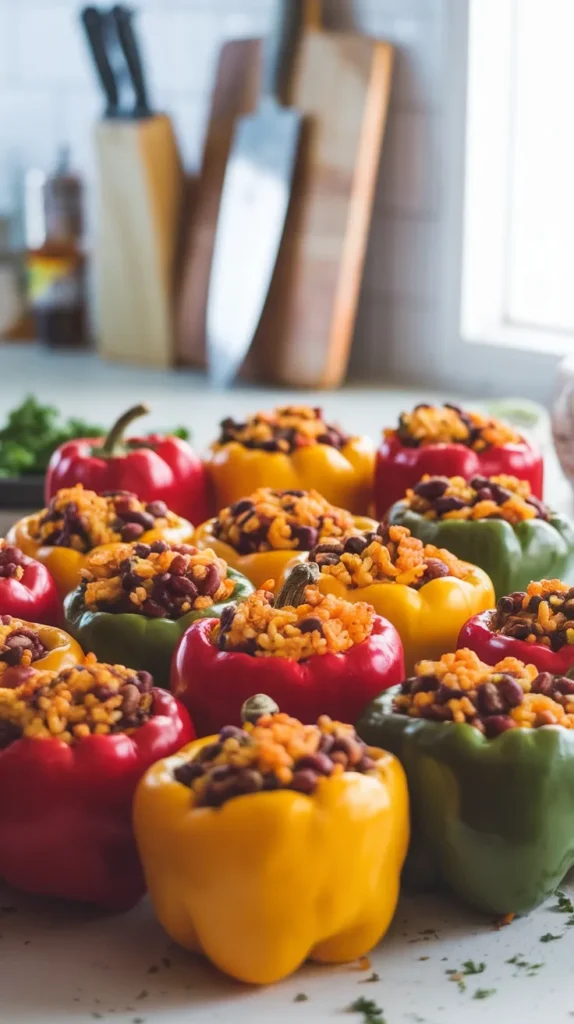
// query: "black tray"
[[25, 493]]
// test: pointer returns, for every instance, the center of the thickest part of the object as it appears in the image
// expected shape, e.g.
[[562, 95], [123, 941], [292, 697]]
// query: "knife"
[[254, 203], [122, 18], [94, 22]]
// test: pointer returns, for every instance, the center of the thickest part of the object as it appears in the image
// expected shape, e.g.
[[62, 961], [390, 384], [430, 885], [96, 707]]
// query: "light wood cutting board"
[[341, 82]]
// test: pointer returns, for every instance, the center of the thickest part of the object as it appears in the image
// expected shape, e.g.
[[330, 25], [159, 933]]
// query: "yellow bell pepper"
[[66, 564], [261, 565], [428, 620], [343, 476], [269, 879]]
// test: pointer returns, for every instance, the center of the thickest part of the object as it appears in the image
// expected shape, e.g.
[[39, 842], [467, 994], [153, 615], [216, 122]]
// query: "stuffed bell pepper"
[[291, 447], [312, 654], [424, 591], [135, 601], [489, 756], [76, 521], [30, 645], [259, 534], [27, 589], [450, 441], [155, 467], [535, 625], [494, 522], [74, 744], [273, 843]]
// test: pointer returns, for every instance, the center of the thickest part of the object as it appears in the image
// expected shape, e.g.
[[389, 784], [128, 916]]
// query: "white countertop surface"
[[60, 964]]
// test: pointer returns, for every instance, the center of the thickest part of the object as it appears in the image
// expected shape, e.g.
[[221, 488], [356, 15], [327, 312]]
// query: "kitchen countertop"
[[63, 964]]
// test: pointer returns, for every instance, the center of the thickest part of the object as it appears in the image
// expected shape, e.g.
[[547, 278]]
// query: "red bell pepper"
[[65, 810], [155, 467], [399, 467], [214, 684], [27, 590], [492, 647]]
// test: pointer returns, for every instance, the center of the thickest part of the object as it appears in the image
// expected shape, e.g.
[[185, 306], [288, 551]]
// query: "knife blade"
[[93, 21], [254, 204], [123, 20]]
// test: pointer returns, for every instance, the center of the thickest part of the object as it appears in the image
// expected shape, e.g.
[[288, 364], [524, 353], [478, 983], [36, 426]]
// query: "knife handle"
[[122, 17], [279, 48], [93, 22]]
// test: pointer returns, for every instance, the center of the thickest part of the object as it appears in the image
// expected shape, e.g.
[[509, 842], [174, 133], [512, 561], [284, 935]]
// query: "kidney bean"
[[519, 630], [497, 724], [489, 700], [442, 505], [339, 757], [435, 569], [295, 494], [306, 537], [142, 550], [141, 518], [131, 531], [153, 609], [431, 489], [247, 780], [485, 494], [479, 482], [159, 546], [157, 509], [326, 547], [183, 586], [327, 559], [130, 699], [436, 713], [422, 684], [211, 582], [230, 732], [326, 743], [564, 685], [505, 606], [355, 545], [511, 691], [210, 752], [352, 748], [304, 781], [319, 763], [366, 764], [543, 683], [178, 566], [188, 772], [310, 625], [145, 681], [131, 580], [500, 494], [558, 639], [445, 693]]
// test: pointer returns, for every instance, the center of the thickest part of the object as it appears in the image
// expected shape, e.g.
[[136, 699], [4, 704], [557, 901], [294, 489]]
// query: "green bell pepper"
[[511, 555], [493, 819], [138, 641]]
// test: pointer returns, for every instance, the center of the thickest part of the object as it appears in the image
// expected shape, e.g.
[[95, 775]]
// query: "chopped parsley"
[[372, 977], [519, 961], [301, 998], [564, 905], [549, 937], [484, 993], [372, 1014], [469, 967]]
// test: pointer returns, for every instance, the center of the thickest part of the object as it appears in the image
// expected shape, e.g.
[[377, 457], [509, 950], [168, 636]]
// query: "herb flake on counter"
[[469, 967], [372, 1014], [519, 961], [484, 993], [564, 905], [372, 977], [301, 998], [549, 937]]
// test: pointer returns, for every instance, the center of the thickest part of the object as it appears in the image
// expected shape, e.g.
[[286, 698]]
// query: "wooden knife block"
[[141, 189]]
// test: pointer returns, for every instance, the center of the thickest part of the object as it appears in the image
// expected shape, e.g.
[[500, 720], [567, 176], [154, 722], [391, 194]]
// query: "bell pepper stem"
[[293, 590], [115, 436], [256, 706]]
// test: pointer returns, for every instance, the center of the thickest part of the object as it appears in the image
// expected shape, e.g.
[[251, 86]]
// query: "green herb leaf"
[[372, 1014], [469, 967], [301, 998], [549, 937], [372, 977], [484, 993], [564, 905]]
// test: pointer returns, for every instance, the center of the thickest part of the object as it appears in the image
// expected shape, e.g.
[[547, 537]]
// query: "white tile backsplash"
[[49, 94]]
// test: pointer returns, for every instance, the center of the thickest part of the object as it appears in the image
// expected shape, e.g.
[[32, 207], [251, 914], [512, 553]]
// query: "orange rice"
[[542, 614], [496, 497], [268, 519], [449, 424], [283, 430], [321, 625]]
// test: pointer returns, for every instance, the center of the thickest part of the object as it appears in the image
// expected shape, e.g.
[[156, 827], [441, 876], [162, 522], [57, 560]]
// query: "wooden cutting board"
[[341, 82]]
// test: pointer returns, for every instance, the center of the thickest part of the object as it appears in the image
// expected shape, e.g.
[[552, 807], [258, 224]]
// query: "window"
[[518, 234]]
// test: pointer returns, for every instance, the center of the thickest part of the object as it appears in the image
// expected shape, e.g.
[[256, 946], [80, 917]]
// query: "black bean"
[[304, 781], [497, 724], [431, 489], [157, 509], [306, 537], [319, 763], [436, 713], [505, 606], [518, 630], [310, 625], [227, 615], [479, 482], [131, 580], [422, 684], [355, 545], [446, 693]]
